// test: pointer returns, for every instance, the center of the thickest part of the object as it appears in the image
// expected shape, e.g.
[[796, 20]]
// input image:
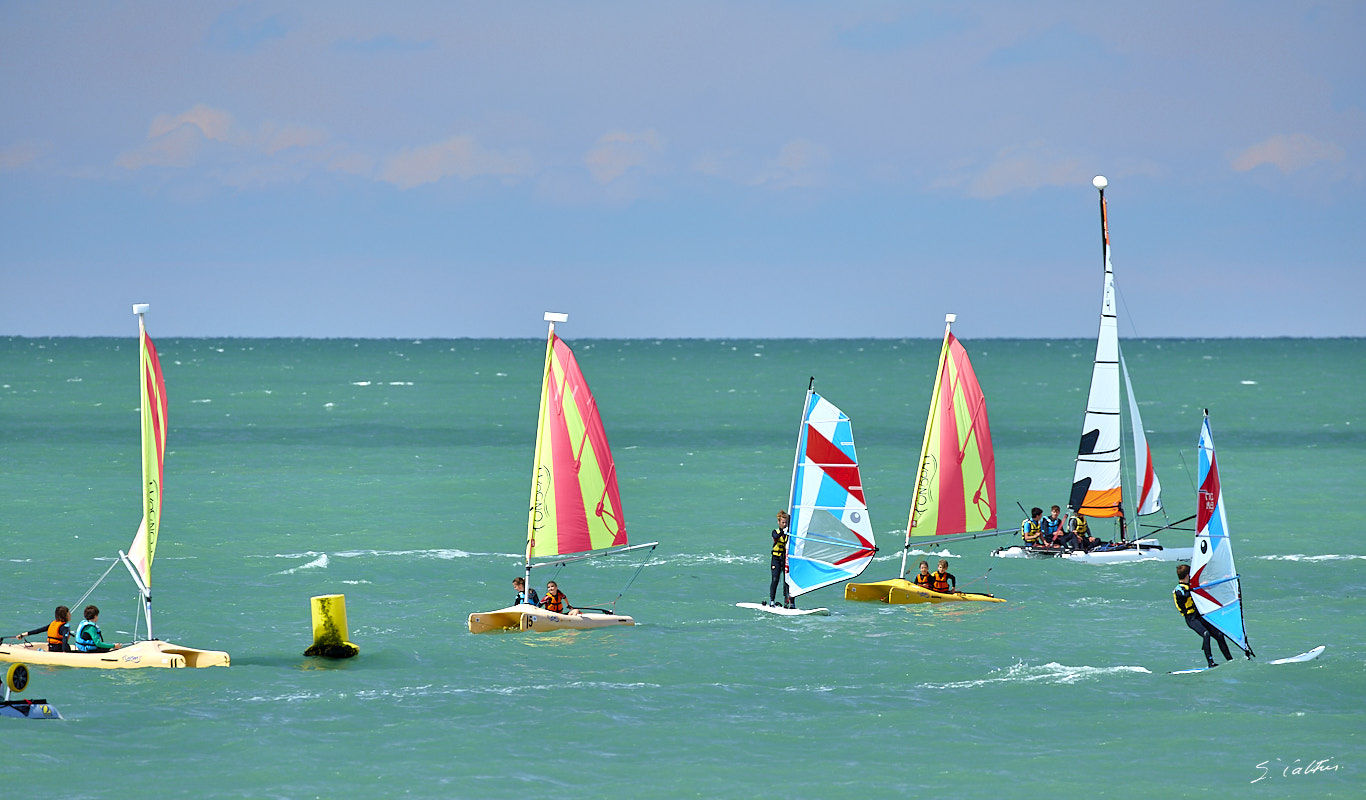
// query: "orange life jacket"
[[923, 581], [56, 643], [939, 581], [554, 602]]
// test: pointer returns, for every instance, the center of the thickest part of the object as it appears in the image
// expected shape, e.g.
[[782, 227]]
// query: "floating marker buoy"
[[329, 628], [16, 678]]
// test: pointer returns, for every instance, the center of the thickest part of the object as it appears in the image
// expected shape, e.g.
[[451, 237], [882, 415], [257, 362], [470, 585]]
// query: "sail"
[[1214, 580], [1145, 477], [955, 488], [831, 539], [1096, 481], [575, 505], [153, 391]]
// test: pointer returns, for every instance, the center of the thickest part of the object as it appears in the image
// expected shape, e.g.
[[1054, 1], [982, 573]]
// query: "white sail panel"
[[1147, 485], [1214, 579], [831, 538]]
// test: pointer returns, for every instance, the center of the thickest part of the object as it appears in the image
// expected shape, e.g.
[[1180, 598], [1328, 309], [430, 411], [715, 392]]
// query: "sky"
[[681, 169]]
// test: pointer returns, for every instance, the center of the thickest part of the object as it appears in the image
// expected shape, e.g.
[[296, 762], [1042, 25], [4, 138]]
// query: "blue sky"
[[777, 169]]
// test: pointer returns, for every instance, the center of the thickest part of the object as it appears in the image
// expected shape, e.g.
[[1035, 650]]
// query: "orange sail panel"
[[153, 407], [956, 485], [576, 506]]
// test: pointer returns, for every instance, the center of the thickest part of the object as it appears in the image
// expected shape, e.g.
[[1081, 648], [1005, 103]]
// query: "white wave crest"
[[1302, 557], [1052, 672], [318, 563]]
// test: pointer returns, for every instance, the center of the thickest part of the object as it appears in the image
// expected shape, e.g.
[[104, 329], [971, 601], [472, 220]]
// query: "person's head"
[[943, 565], [62, 614], [1035, 512], [551, 587], [1055, 511], [783, 518], [519, 583], [1183, 572], [91, 612], [924, 567]]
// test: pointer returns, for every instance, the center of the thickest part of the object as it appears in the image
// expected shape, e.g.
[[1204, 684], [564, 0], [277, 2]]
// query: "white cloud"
[[618, 152], [1018, 168], [22, 154], [212, 122], [798, 163], [176, 148], [1288, 153], [458, 156]]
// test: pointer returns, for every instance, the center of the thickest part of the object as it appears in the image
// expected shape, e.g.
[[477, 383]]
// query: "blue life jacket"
[[83, 643]]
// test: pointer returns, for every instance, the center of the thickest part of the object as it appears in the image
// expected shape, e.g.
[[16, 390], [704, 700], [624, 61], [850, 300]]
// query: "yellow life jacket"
[[780, 545], [1031, 531], [1184, 602], [1081, 527], [939, 581]]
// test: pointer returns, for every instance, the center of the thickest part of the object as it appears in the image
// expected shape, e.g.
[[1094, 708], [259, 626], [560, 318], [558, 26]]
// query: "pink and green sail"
[[575, 504], [955, 490], [152, 388]]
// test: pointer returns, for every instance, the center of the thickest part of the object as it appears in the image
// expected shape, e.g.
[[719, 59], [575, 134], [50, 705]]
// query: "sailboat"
[[1097, 491], [955, 486], [148, 652], [1216, 586], [831, 539], [575, 510]]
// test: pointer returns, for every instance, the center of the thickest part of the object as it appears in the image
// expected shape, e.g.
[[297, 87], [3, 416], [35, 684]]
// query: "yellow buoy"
[[329, 628]]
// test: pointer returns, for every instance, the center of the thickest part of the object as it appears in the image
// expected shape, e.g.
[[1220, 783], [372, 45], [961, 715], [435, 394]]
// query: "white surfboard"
[[1309, 656], [786, 612]]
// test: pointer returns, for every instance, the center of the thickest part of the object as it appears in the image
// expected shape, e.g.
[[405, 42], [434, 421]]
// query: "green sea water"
[[397, 473]]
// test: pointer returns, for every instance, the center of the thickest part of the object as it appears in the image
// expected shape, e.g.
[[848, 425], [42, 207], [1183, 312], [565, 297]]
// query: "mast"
[[949, 319], [152, 399], [550, 317], [792, 486]]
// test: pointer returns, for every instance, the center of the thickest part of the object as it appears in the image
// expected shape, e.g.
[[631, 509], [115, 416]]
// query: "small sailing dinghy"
[[148, 652], [831, 539], [1216, 586], [955, 486], [575, 511], [1097, 491], [16, 679]]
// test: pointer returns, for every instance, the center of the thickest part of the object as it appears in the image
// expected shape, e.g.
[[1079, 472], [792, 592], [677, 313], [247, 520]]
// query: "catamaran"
[[1215, 584], [831, 539], [148, 652], [955, 486], [575, 511], [1097, 491]]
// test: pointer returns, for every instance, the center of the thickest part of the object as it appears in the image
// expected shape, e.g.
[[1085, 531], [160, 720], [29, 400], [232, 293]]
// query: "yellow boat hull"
[[139, 655], [899, 591], [531, 618]]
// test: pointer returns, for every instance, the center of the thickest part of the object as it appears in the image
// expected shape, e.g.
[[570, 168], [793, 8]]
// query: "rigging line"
[[1187, 469], [96, 585], [636, 574]]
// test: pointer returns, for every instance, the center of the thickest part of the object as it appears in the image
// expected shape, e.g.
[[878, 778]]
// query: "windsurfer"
[[777, 564], [520, 585], [88, 637], [1186, 605], [57, 631]]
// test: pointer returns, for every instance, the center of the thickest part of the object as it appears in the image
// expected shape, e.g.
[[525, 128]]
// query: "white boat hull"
[[1143, 550], [531, 618], [139, 655]]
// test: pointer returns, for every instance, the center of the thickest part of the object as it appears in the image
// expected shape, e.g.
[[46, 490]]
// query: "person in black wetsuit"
[[58, 631], [943, 581], [777, 563], [529, 598], [1186, 605]]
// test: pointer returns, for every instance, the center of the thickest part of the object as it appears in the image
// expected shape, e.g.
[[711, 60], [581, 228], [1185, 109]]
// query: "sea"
[[397, 473]]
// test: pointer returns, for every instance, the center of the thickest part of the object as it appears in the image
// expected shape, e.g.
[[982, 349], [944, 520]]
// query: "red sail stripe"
[[833, 462], [609, 504]]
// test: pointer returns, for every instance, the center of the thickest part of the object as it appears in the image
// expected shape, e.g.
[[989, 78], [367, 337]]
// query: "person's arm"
[[953, 582], [32, 632], [98, 639]]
